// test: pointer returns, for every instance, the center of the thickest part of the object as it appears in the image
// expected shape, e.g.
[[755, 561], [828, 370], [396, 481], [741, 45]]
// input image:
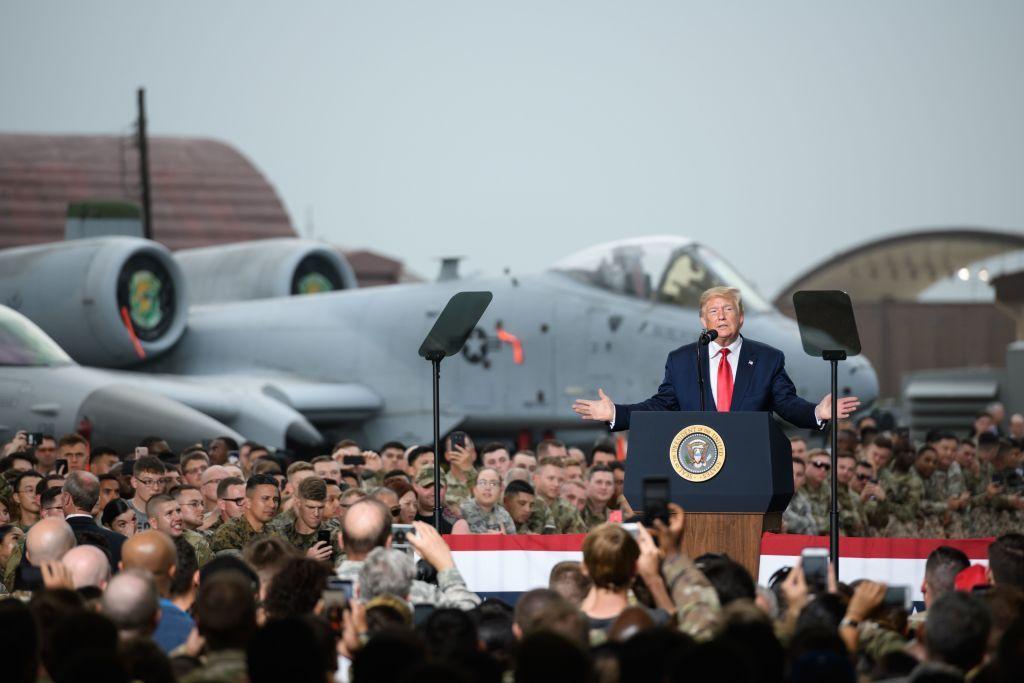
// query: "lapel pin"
[[750, 362]]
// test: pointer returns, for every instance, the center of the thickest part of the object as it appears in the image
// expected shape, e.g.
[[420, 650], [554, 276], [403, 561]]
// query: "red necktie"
[[724, 383]]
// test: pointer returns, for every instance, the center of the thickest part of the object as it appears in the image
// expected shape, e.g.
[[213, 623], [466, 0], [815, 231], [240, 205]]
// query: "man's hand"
[[57, 575], [319, 551], [845, 407], [866, 598], [353, 626], [649, 562], [18, 444], [601, 410], [431, 547], [670, 535], [795, 590], [461, 458], [373, 462]]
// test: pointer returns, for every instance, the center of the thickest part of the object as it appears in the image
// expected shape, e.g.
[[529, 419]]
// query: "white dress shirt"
[[715, 359]]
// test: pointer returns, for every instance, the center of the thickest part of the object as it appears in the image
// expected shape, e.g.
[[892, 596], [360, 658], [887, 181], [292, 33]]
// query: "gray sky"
[[518, 132]]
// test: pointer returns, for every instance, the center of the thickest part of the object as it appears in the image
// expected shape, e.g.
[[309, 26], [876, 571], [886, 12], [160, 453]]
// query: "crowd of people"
[[228, 562], [967, 485]]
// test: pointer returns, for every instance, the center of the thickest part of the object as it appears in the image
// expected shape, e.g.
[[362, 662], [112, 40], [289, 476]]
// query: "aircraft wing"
[[272, 409]]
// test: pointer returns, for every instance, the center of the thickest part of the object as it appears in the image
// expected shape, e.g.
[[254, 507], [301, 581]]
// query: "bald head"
[[154, 552], [88, 565], [214, 473], [132, 603], [367, 525], [48, 540]]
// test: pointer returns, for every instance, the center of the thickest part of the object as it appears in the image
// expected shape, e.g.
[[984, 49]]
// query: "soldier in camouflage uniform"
[[518, 500], [600, 484], [873, 500], [303, 527], [851, 513], [461, 475], [164, 514], [798, 518], [366, 527], [263, 498], [551, 513], [816, 488], [26, 499], [483, 513]]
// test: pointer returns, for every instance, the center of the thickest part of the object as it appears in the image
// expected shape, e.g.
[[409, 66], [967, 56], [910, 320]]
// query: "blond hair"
[[730, 293]]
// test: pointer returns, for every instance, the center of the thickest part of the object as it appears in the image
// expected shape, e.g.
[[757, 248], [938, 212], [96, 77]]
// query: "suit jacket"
[[761, 385], [114, 540]]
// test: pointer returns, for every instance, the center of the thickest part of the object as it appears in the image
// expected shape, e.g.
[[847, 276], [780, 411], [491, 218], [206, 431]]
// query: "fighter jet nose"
[[122, 416], [859, 379]]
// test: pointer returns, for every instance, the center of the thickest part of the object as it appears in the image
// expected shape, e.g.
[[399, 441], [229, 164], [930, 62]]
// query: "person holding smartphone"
[[305, 529]]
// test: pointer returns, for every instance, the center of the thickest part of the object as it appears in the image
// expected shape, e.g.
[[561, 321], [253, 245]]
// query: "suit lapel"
[[748, 363]]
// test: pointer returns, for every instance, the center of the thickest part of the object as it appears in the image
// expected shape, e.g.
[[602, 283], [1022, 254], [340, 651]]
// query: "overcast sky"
[[515, 133]]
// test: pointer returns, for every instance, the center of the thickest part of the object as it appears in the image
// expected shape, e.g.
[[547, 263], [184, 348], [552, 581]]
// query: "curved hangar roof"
[[204, 191], [902, 267]]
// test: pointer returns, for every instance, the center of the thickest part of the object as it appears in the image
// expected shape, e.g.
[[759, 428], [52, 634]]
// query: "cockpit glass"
[[667, 270], [24, 344]]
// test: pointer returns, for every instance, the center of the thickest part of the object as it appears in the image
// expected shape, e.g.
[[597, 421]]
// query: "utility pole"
[[143, 142]]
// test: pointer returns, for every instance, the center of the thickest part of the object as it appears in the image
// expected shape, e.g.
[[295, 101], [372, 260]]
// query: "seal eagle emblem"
[[697, 453]]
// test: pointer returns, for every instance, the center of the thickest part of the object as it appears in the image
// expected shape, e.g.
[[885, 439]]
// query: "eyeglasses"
[[236, 501], [151, 483], [821, 465], [867, 477], [488, 484], [395, 511], [193, 504]]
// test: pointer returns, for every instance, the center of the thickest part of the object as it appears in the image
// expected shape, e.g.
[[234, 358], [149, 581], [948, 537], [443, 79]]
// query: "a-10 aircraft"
[[228, 335]]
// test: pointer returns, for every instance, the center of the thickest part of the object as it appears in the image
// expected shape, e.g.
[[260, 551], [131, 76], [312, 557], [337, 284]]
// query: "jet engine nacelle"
[[263, 269], [108, 301]]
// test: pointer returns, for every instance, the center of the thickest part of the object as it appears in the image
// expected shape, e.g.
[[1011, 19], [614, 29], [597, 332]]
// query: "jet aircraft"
[[251, 351]]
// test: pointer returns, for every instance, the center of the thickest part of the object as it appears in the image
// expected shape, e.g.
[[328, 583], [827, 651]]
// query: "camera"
[[400, 535]]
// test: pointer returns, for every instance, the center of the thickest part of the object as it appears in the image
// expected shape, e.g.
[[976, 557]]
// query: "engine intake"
[[263, 269], [108, 301]]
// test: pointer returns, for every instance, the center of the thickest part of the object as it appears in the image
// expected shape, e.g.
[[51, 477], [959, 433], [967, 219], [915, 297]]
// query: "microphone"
[[707, 336]]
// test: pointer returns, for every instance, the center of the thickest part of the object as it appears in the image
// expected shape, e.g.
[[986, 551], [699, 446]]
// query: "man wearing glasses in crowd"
[[148, 480]]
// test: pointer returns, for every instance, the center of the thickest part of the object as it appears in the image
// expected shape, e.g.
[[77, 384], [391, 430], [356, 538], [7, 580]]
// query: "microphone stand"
[[703, 340]]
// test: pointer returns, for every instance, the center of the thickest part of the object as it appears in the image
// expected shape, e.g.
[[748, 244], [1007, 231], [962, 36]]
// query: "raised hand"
[[601, 410], [845, 407]]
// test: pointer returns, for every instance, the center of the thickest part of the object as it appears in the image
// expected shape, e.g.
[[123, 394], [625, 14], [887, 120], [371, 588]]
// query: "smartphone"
[[400, 535], [323, 536], [34, 438], [656, 496], [898, 596], [814, 562], [458, 439], [356, 460], [141, 452], [336, 596], [60, 466]]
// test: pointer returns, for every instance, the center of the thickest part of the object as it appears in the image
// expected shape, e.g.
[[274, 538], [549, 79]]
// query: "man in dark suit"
[[739, 374], [83, 489]]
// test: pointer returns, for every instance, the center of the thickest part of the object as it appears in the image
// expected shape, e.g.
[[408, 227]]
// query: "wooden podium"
[[731, 472]]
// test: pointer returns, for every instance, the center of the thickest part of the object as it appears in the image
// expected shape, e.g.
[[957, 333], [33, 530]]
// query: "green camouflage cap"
[[425, 477]]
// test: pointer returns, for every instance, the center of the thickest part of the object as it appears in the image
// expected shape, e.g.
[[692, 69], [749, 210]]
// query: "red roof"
[[204, 191]]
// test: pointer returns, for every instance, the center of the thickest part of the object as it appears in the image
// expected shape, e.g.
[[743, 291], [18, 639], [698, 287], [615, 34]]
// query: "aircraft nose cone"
[[122, 416]]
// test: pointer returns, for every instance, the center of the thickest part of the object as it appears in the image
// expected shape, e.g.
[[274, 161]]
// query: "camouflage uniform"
[[304, 542], [591, 519], [236, 534], [798, 517], [876, 516], [457, 492], [851, 513], [905, 497], [820, 500], [876, 641], [481, 521], [221, 666], [199, 543], [450, 591], [557, 517], [697, 606]]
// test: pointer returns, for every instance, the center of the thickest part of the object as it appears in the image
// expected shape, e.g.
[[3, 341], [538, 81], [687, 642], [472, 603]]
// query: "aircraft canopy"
[[24, 344], [662, 269]]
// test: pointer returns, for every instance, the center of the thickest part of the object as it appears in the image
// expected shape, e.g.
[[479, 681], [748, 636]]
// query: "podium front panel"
[[755, 476]]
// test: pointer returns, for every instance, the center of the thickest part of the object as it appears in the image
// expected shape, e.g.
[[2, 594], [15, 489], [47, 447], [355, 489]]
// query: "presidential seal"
[[697, 453]]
